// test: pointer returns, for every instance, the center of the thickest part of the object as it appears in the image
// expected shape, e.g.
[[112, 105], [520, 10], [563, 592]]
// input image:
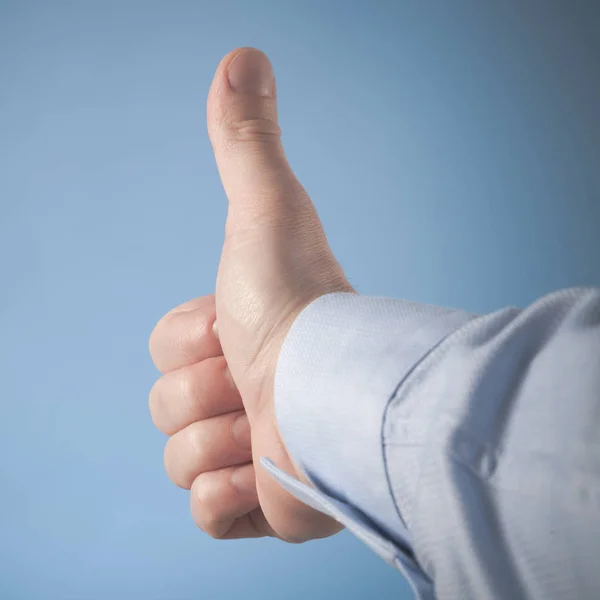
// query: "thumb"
[[245, 135]]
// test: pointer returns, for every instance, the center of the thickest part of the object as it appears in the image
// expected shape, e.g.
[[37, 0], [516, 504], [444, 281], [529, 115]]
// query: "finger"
[[185, 335], [193, 393], [194, 303], [225, 504], [208, 445], [243, 128]]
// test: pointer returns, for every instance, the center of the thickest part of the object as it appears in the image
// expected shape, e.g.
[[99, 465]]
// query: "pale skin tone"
[[218, 353]]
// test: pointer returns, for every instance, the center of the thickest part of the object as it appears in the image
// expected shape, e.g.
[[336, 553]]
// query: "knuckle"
[[163, 338], [169, 462], [155, 402], [178, 334], [213, 527], [254, 130], [176, 463], [161, 402], [207, 512], [186, 333], [177, 328], [155, 340]]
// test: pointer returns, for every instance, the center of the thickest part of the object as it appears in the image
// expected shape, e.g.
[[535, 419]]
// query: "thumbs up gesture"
[[218, 354]]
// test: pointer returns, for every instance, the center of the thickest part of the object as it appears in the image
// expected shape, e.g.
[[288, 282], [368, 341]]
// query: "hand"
[[216, 397]]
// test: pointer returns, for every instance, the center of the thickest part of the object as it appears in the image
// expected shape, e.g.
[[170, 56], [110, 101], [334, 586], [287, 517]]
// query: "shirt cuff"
[[396, 556], [339, 366]]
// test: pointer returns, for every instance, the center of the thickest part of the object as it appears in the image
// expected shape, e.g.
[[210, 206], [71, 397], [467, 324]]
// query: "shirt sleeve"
[[463, 449]]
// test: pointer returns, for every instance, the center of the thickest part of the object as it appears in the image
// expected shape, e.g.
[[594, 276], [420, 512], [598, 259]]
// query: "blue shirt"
[[463, 449]]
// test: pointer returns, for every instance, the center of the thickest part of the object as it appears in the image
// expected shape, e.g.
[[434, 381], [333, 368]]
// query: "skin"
[[218, 353]]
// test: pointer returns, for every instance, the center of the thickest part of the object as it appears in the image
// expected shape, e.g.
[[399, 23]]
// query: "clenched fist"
[[219, 353]]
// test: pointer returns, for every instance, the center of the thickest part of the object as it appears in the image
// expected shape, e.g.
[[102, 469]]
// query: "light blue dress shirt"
[[463, 449]]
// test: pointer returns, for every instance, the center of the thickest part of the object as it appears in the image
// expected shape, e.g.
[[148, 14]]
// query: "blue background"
[[452, 149]]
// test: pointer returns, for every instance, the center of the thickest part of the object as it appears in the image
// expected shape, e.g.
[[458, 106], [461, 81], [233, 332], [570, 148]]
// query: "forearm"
[[468, 443]]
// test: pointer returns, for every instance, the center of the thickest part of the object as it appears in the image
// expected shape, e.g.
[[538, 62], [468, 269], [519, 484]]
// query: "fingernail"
[[250, 72], [243, 478], [241, 432], [215, 329]]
